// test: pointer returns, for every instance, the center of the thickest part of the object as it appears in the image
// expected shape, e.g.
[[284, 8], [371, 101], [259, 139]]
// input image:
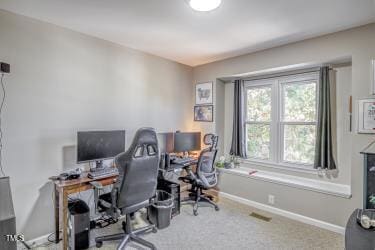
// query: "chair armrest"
[[190, 177]]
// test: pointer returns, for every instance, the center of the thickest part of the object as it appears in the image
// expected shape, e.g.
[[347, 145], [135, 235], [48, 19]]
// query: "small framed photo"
[[203, 93], [204, 113], [366, 116]]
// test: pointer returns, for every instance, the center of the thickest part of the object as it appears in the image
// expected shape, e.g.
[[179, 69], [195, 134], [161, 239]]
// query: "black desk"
[[173, 167], [357, 238], [173, 172]]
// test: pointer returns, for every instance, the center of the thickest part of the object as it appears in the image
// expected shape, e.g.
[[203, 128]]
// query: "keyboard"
[[184, 161], [102, 173]]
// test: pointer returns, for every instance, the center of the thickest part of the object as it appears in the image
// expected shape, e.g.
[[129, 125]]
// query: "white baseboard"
[[290, 215], [38, 241]]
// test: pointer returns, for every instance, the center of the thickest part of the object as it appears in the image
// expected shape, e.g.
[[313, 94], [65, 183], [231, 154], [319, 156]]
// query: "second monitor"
[[187, 141]]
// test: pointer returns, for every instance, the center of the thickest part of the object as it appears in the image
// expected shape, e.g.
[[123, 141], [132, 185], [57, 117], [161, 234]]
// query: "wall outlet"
[[271, 199]]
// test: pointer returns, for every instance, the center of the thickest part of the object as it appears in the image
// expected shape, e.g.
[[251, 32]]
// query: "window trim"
[[277, 128]]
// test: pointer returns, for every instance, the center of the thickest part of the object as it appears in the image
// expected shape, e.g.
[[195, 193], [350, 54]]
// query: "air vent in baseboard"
[[260, 217]]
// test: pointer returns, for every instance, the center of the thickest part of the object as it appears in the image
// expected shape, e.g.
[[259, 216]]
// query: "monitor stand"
[[98, 166]]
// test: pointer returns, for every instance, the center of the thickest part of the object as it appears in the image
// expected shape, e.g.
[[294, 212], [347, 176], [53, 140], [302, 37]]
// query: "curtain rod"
[[281, 74]]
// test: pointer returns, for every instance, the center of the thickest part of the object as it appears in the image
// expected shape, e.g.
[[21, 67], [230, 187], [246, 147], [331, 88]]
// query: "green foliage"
[[220, 164], [299, 143], [259, 104], [258, 141], [259, 110], [299, 102], [299, 105]]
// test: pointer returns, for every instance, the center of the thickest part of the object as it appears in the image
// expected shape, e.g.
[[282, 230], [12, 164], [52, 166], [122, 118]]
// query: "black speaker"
[[162, 161], [167, 161], [4, 67], [7, 217], [78, 225]]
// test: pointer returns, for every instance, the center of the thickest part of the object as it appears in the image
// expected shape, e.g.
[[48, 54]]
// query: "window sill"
[[324, 187], [284, 166]]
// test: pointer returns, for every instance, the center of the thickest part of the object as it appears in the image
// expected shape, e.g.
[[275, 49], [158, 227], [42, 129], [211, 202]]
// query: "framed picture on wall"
[[203, 93], [366, 116], [204, 113]]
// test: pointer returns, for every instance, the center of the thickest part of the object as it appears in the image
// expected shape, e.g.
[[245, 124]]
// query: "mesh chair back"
[[206, 170]]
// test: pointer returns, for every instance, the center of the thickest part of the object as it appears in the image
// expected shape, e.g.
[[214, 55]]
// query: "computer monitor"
[[99, 145], [166, 142], [187, 141]]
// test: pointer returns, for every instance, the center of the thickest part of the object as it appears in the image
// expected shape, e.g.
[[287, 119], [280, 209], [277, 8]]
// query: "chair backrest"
[[206, 163], [138, 169]]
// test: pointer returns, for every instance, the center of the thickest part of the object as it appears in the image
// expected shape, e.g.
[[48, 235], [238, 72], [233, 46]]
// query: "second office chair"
[[205, 176]]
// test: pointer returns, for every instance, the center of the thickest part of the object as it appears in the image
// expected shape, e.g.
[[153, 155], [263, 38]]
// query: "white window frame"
[[277, 124]]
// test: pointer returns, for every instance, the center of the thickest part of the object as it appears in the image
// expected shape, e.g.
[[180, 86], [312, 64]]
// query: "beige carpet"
[[230, 228]]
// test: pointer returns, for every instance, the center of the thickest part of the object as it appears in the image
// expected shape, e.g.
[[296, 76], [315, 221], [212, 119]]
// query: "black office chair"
[[135, 187], [205, 176]]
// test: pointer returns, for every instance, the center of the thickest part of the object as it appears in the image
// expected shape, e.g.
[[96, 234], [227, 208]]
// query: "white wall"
[[62, 81], [357, 44]]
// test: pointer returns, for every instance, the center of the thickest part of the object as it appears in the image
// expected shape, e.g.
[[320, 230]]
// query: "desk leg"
[[65, 220], [57, 215]]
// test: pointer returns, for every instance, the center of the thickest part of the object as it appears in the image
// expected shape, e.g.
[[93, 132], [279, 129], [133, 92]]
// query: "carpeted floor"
[[229, 228]]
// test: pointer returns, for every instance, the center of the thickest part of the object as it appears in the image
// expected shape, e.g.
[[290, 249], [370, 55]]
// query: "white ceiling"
[[170, 29]]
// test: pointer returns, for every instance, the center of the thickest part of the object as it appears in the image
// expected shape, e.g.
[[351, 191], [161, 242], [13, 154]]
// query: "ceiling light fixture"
[[204, 5]]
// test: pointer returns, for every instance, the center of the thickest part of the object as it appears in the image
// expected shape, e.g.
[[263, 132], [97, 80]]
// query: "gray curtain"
[[323, 148], [238, 135]]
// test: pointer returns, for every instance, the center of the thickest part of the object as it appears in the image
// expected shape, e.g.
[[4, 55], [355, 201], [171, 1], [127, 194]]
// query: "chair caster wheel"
[[99, 244], [217, 208], [154, 230], [195, 213]]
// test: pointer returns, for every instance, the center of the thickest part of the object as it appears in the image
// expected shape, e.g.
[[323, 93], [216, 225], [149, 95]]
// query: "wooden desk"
[[62, 190]]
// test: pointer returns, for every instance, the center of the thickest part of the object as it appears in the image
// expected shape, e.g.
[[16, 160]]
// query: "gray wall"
[[357, 44], [219, 114], [63, 81]]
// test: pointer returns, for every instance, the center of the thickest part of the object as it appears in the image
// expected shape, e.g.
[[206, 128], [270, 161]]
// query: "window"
[[281, 119]]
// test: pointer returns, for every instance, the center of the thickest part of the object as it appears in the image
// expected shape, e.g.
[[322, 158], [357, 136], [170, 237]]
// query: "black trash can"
[[174, 189], [160, 211]]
